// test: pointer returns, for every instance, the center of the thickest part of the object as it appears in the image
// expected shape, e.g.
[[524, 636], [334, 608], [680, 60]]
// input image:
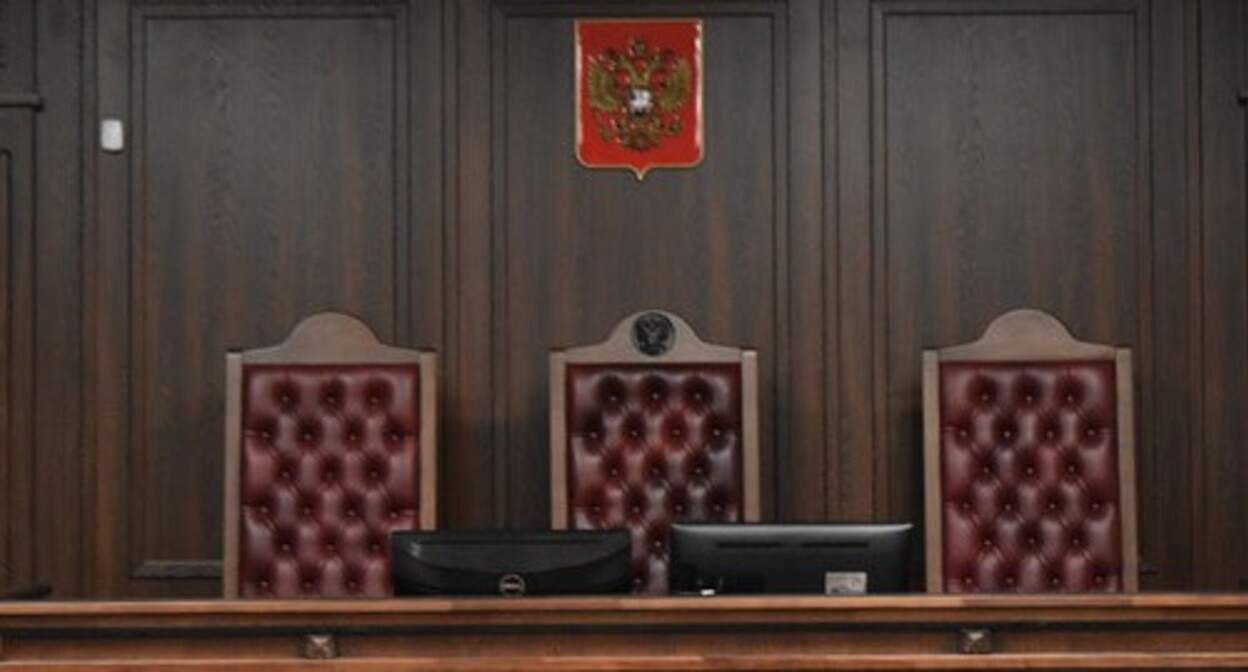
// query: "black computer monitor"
[[821, 558], [502, 562]]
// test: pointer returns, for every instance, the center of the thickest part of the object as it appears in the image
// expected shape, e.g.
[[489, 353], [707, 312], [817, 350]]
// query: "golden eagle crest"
[[636, 95]]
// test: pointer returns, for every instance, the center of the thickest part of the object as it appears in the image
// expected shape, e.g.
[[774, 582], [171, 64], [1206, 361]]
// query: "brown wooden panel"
[[1165, 631], [1007, 172], [1221, 514], [1168, 409], [880, 176], [270, 177], [578, 248]]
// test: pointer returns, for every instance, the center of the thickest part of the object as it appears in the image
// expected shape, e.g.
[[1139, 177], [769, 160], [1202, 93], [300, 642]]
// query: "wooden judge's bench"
[[1149, 631]]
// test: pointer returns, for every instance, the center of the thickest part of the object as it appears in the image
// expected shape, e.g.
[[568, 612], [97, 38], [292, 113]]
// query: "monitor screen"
[[500, 562], [821, 558]]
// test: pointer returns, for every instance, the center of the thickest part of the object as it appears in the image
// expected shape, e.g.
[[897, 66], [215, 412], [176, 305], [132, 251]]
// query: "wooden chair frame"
[[619, 348], [325, 339], [1028, 335]]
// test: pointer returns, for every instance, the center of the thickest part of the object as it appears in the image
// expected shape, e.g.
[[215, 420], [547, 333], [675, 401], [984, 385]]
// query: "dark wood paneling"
[[19, 552], [577, 249], [1222, 515], [269, 176], [1007, 169], [879, 177]]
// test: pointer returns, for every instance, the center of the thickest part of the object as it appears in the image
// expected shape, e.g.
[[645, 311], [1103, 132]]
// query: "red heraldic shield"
[[639, 94]]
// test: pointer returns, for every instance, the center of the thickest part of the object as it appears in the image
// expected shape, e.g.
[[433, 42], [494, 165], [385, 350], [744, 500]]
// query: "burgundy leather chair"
[[1028, 462], [330, 445], [649, 427]]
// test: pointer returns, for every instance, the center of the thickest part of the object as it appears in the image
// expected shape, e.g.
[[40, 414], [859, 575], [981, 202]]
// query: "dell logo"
[[511, 585]]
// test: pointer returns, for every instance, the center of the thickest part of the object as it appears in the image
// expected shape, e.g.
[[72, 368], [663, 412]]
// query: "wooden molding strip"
[[31, 100]]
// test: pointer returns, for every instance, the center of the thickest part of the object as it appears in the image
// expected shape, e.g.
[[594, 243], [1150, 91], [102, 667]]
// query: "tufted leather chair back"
[[1029, 462], [650, 427], [330, 447]]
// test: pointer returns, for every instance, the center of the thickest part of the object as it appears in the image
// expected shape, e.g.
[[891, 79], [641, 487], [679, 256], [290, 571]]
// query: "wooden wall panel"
[[268, 176], [1007, 172], [1222, 517], [19, 461], [881, 176], [579, 248]]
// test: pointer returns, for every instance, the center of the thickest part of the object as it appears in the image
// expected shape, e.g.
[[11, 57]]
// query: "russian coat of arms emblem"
[[639, 94]]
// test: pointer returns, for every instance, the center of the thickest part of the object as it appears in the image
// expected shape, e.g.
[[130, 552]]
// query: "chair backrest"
[[330, 445], [649, 427], [1029, 462]]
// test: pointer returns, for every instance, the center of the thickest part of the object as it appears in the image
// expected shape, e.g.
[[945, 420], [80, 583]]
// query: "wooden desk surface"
[[1159, 631]]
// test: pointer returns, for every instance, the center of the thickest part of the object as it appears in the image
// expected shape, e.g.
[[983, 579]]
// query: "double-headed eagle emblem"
[[637, 94]]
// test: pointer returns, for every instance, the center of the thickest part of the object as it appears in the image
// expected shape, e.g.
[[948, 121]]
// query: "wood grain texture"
[[881, 176], [269, 170], [1159, 631], [577, 248], [1224, 166]]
